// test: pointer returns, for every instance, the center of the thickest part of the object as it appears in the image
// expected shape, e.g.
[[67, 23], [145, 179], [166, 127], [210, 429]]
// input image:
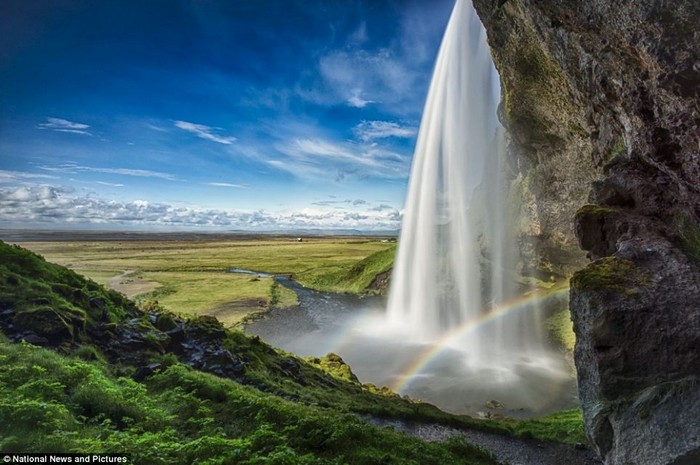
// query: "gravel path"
[[507, 449]]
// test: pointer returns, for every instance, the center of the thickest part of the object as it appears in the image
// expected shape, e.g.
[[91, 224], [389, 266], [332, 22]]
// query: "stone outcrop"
[[602, 102]]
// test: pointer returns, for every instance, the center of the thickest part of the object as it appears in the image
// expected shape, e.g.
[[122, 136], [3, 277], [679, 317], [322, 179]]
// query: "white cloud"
[[356, 101], [131, 172], [319, 158], [369, 130], [12, 176], [389, 71], [359, 77], [156, 128], [60, 207], [74, 168], [63, 125], [110, 184], [227, 184], [205, 132]]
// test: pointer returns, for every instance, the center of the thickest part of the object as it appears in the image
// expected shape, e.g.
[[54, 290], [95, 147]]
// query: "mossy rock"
[[610, 274], [335, 366], [54, 324], [596, 211], [165, 322]]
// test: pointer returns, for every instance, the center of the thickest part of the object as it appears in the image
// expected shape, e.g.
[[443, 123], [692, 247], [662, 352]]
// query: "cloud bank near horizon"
[[53, 206]]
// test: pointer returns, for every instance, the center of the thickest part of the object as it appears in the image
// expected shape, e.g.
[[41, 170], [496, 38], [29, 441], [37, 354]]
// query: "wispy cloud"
[[368, 130], [205, 132], [74, 168], [355, 100], [360, 77], [63, 125], [110, 184], [156, 128], [227, 184], [10, 176], [318, 158]]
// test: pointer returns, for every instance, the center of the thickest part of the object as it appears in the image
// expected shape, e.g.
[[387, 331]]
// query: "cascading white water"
[[441, 339], [456, 254]]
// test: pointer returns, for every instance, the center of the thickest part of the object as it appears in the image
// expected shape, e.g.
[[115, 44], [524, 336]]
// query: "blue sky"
[[211, 114]]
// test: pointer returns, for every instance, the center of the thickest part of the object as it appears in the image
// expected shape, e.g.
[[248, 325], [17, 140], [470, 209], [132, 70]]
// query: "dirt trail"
[[130, 284]]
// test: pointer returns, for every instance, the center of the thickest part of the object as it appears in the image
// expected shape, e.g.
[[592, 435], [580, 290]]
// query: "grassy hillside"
[[54, 403], [355, 279], [123, 380]]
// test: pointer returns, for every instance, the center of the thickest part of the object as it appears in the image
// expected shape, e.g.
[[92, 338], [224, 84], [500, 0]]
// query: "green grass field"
[[189, 276]]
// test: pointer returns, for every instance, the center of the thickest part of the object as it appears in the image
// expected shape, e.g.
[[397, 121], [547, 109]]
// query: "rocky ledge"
[[602, 103]]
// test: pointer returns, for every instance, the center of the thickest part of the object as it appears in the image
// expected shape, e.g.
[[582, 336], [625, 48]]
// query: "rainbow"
[[519, 304]]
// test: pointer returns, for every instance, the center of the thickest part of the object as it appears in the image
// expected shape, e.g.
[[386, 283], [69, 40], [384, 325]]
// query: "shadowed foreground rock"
[[601, 100]]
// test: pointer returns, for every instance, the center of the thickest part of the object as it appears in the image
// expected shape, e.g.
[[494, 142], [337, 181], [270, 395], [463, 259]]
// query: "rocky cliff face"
[[602, 101]]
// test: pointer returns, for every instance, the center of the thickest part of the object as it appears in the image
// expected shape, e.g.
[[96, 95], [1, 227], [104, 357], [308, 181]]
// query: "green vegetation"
[[227, 296], [53, 403], [565, 426], [690, 237], [594, 210], [357, 279], [616, 151], [537, 78], [55, 299], [334, 366], [190, 277], [561, 329], [610, 274]]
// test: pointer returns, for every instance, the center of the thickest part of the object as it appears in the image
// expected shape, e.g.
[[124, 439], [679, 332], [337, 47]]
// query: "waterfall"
[[456, 255]]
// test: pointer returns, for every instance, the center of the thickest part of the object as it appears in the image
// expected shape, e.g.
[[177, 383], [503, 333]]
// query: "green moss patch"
[[610, 274], [335, 366], [594, 211], [561, 328], [690, 239]]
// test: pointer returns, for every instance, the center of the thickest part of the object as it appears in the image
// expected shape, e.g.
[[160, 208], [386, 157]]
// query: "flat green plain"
[[191, 276]]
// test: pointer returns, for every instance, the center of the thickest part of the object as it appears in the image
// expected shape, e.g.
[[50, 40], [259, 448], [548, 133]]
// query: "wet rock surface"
[[602, 98]]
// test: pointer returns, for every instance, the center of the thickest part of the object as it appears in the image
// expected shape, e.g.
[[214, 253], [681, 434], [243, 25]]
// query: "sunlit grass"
[[189, 276], [227, 296], [564, 426], [53, 403]]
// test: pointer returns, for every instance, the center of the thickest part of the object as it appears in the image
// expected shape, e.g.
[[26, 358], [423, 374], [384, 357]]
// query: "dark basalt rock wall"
[[602, 102]]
